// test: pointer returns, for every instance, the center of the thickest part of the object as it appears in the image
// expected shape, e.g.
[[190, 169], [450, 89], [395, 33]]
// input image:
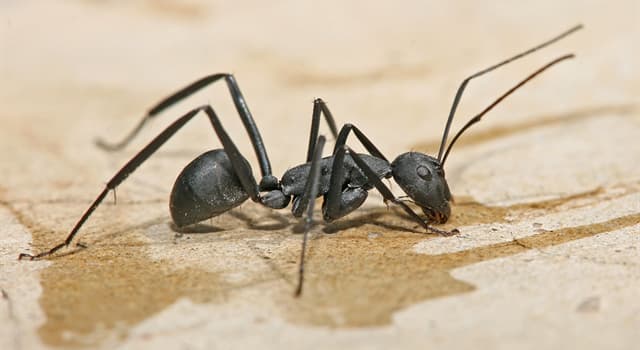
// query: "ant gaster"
[[221, 179]]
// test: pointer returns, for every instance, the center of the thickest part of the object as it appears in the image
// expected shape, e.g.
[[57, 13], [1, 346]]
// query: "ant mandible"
[[221, 179]]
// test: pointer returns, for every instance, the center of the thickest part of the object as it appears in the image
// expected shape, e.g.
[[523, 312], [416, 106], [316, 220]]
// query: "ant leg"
[[338, 201], [239, 164], [337, 204], [351, 199], [268, 181], [388, 196], [319, 107], [368, 145], [341, 202], [307, 201]]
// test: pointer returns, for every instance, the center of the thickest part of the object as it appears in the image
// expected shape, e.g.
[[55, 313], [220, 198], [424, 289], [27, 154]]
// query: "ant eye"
[[424, 173]]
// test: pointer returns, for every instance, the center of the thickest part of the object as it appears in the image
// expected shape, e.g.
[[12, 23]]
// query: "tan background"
[[546, 187]]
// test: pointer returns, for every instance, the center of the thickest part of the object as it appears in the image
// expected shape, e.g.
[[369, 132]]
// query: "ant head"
[[421, 177]]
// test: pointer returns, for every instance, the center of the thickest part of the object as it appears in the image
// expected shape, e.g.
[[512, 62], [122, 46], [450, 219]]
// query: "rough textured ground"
[[547, 188]]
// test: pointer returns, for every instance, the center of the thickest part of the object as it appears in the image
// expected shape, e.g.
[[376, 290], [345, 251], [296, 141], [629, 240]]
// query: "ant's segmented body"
[[222, 179]]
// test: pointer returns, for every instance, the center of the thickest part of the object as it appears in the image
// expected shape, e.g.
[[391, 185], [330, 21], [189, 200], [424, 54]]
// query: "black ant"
[[221, 179]]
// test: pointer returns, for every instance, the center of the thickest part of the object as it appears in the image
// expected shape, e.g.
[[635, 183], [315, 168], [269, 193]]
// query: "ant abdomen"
[[205, 188]]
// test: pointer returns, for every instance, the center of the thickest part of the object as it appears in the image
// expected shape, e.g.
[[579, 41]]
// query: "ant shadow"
[[387, 219], [274, 220]]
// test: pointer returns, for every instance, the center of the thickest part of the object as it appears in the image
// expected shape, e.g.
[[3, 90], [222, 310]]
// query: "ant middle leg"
[[306, 204], [319, 107]]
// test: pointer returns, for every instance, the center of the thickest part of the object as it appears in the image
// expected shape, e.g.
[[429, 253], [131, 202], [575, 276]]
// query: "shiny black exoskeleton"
[[222, 179], [208, 186]]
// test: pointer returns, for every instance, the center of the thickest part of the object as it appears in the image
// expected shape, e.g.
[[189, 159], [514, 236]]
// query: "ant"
[[221, 179]]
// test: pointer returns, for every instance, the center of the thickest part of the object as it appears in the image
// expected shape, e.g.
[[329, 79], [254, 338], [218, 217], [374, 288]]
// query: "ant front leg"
[[340, 201], [338, 204], [364, 140], [388, 195]]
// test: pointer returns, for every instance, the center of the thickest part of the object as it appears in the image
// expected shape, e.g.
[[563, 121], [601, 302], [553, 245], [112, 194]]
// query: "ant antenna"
[[456, 100], [478, 117]]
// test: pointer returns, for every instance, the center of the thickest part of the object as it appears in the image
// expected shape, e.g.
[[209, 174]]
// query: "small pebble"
[[591, 304]]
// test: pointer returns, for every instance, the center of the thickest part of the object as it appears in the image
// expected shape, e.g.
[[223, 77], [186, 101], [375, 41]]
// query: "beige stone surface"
[[547, 187]]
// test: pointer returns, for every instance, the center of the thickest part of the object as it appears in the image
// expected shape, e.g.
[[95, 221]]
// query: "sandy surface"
[[547, 188]]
